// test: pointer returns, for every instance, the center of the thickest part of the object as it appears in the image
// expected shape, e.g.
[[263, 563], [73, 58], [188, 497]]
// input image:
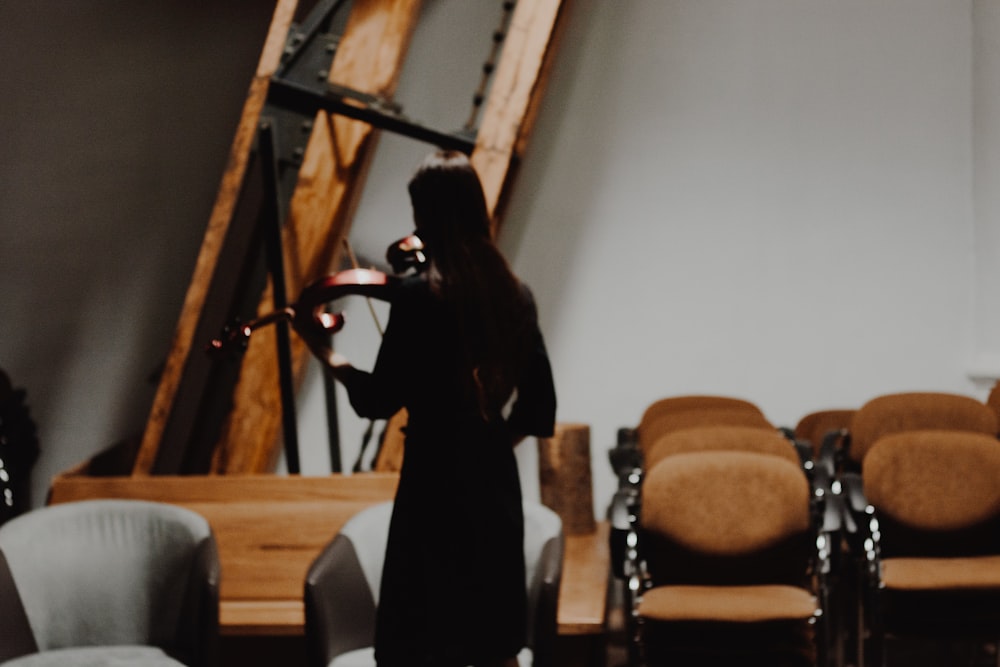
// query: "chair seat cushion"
[[737, 604], [97, 656], [929, 574], [365, 657], [362, 657]]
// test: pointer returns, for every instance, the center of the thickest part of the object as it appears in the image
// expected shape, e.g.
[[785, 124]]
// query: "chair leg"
[[633, 630], [875, 650], [873, 631], [822, 634]]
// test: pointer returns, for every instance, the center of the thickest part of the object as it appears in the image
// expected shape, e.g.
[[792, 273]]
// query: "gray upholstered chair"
[[341, 588], [108, 582]]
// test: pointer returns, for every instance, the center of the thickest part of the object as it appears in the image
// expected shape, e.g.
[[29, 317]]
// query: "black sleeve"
[[378, 394], [534, 409]]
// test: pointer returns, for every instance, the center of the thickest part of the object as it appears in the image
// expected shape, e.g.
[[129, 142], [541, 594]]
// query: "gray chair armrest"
[[548, 578], [334, 576], [197, 643]]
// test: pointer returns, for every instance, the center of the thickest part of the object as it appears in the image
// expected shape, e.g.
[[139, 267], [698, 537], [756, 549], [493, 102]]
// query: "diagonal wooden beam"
[[505, 128], [515, 94], [368, 59]]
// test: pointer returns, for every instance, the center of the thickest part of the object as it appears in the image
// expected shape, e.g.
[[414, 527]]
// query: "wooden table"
[[582, 597], [269, 529]]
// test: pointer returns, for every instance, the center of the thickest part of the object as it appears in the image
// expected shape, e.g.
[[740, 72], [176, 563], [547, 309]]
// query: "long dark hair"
[[469, 273]]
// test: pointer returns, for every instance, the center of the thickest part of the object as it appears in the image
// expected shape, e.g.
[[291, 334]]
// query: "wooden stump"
[[565, 479]]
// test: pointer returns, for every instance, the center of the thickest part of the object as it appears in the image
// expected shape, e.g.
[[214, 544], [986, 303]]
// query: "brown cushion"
[[741, 604], [694, 402], [701, 500], [764, 440], [934, 480], [674, 421], [813, 427], [993, 400], [912, 411], [928, 574]]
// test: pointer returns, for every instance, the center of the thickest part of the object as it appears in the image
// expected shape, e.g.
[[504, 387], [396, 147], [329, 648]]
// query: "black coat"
[[453, 583]]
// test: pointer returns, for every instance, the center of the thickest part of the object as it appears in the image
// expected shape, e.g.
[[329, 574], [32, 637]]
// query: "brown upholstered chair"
[[703, 430], [993, 400], [929, 549], [908, 411], [627, 453], [626, 504], [692, 425], [817, 426], [764, 440], [674, 421], [841, 457], [725, 565], [684, 403]]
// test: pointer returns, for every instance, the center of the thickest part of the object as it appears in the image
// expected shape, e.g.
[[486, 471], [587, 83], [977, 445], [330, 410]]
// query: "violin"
[[403, 255]]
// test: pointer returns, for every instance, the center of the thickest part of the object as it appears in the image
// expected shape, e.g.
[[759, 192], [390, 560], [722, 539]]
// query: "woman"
[[463, 354]]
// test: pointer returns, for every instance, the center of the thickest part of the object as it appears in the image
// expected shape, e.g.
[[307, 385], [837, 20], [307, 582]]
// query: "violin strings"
[[371, 306]]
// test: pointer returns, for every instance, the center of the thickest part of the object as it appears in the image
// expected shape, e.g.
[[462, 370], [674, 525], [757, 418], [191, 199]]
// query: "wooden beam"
[[515, 94], [369, 59], [509, 116]]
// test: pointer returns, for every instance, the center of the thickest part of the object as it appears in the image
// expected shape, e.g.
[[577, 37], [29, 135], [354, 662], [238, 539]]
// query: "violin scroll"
[[407, 253]]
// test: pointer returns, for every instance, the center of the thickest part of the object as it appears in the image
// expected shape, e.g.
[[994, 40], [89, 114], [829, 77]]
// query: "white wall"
[[986, 152], [785, 200], [762, 198]]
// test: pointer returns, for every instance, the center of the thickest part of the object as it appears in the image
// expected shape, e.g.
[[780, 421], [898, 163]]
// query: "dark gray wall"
[[117, 117]]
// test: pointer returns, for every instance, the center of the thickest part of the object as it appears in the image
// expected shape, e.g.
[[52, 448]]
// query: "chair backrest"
[[914, 411], [764, 440], [686, 402], [726, 517], [813, 427], [106, 572], [993, 400], [936, 492], [350, 566], [673, 421]]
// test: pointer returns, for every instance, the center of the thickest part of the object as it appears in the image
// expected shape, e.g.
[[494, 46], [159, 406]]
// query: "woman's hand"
[[319, 342]]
